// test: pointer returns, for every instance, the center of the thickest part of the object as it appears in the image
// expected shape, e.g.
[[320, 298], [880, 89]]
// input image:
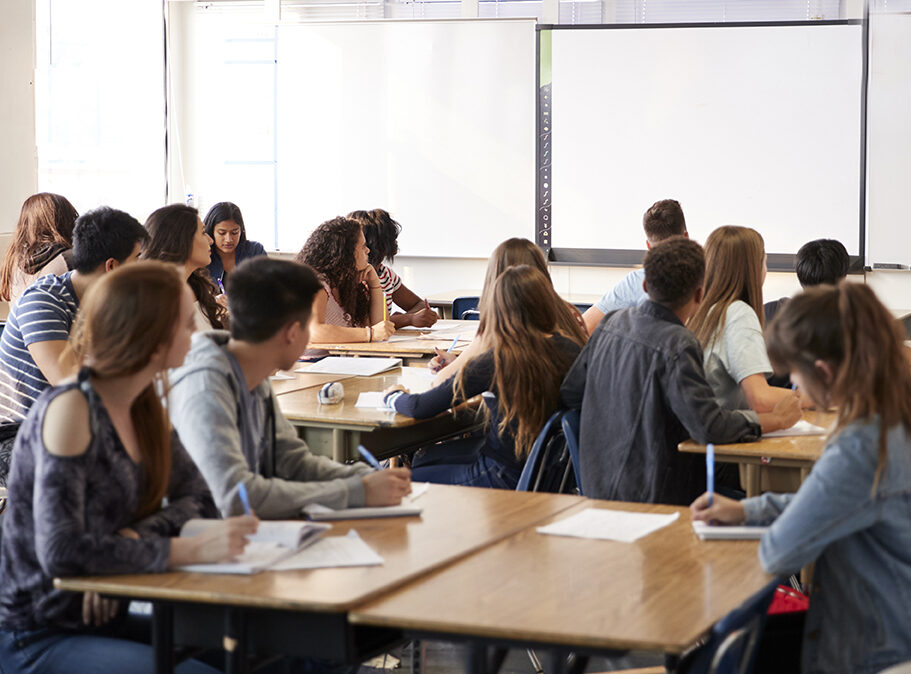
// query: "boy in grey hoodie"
[[228, 418]]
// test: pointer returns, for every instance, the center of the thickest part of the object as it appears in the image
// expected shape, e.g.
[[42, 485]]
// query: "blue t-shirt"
[[627, 293], [44, 313]]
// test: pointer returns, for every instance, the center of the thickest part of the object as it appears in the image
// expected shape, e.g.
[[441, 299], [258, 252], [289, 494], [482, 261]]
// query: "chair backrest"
[[570, 424], [548, 467], [466, 308], [583, 306], [732, 645]]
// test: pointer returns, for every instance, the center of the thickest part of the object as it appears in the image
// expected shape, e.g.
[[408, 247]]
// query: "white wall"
[[18, 160]]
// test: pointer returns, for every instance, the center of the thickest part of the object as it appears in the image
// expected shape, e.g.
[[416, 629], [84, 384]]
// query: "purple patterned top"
[[64, 513]]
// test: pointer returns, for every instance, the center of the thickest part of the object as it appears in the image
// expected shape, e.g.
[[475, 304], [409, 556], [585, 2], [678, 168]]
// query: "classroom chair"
[[582, 306], [466, 308], [548, 467], [570, 424]]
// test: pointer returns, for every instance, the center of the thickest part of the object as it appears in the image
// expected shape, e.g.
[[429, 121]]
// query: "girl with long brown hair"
[[511, 253], [352, 306], [852, 515], [522, 360], [95, 458], [729, 321], [42, 244], [178, 235]]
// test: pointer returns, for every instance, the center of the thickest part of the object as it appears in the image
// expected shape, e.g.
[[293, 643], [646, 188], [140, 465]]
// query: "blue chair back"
[[466, 308], [732, 645], [547, 467], [583, 306], [570, 424]]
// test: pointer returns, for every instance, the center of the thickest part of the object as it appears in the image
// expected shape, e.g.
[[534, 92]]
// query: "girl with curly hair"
[[176, 234], [351, 307]]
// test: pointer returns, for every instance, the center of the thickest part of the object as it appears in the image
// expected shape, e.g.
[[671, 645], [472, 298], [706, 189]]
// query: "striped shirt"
[[44, 313], [389, 282]]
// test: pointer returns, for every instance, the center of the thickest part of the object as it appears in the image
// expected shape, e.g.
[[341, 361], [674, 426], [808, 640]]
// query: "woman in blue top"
[[520, 365], [230, 246], [94, 462], [852, 515]]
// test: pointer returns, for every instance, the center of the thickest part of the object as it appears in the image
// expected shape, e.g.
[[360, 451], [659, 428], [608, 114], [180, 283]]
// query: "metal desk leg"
[[344, 444], [235, 642], [752, 475], [557, 661], [163, 637]]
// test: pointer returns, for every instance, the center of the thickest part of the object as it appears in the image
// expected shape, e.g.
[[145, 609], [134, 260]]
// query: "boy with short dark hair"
[[228, 417], [641, 387], [661, 221], [818, 261]]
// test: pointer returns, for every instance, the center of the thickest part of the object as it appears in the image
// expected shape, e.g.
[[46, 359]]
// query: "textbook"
[[721, 532], [357, 367], [273, 542]]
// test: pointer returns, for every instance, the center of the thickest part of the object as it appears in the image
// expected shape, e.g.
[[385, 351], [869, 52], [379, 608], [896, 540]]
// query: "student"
[[729, 322], [511, 253], [32, 344], [662, 220], [229, 419], [819, 261], [351, 306], [42, 244], [176, 234], [94, 460], [851, 515], [381, 233], [522, 359], [224, 224], [642, 390]]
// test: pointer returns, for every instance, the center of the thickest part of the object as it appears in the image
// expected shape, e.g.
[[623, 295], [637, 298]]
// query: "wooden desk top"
[[456, 522], [807, 448], [408, 341], [303, 380], [301, 405], [662, 592]]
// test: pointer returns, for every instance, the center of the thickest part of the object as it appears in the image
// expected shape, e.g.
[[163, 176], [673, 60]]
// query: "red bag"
[[788, 600]]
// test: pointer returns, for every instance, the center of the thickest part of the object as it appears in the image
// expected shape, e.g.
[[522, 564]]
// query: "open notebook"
[[273, 542], [357, 367]]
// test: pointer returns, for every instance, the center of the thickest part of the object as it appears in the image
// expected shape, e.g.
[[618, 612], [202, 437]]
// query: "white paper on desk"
[[403, 337], [357, 367], [800, 428], [280, 376], [371, 400], [337, 551], [255, 558], [722, 532], [609, 525]]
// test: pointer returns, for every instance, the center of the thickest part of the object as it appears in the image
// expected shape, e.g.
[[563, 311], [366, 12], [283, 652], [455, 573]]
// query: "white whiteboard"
[[889, 140], [433, 121], [753, 126]]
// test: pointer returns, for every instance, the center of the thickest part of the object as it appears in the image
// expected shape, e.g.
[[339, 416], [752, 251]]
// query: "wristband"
[[390, 398]]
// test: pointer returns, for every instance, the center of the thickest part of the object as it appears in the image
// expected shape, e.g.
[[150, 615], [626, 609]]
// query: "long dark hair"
[[847, 327], [171, 232], [44, 230], [528, 370], [330, 252], [381, 233], [224, 210], [125, 317]]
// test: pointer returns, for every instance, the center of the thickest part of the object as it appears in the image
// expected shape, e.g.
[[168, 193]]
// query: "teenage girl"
[[224, 223]]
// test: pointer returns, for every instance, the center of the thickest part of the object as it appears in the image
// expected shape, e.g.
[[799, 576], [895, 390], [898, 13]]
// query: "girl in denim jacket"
[[852, 515]]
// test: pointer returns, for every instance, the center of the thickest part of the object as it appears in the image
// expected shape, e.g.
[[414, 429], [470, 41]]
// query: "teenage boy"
[[663, 220], [641, 386], [39, 324], [229, 420], [818, 261]]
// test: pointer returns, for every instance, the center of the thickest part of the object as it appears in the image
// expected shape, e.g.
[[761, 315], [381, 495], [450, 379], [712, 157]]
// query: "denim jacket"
[[860, 606]]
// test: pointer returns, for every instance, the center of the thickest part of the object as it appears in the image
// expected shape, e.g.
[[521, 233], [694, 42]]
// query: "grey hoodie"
[[206, 408]]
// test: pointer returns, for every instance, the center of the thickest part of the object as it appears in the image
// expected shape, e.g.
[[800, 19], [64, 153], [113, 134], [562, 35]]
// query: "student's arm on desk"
[[417, 313], [47, 357], [477, 379], [762, 397], [322, 332]]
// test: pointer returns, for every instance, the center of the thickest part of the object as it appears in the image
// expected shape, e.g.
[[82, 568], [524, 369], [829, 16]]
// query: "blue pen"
[[368, 457], [220, 286], [244, 499], [710, 471], [453, 345]]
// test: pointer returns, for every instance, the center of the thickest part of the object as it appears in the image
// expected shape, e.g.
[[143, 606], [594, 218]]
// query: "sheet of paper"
[[358, 367], [418, 489], [335, 551], [610, 525], [711, 532], [280, 376], [800, 428], [255, 558], [371, 400]]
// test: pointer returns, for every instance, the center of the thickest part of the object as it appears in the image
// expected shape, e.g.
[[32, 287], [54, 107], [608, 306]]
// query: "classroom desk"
[[407, 343], [661, 593], [337, 430], [306, 612], [795, 453], [443, 300], [302, 380]]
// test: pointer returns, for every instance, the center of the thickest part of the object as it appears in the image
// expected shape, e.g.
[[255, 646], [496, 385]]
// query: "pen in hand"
[[453, 345], [368, 457], [244, 498]]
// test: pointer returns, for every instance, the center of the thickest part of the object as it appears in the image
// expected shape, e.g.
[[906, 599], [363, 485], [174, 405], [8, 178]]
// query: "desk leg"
[[344, 444], [476, 658], [752, 475], [557, 661], [235, 642], [163, 637]]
